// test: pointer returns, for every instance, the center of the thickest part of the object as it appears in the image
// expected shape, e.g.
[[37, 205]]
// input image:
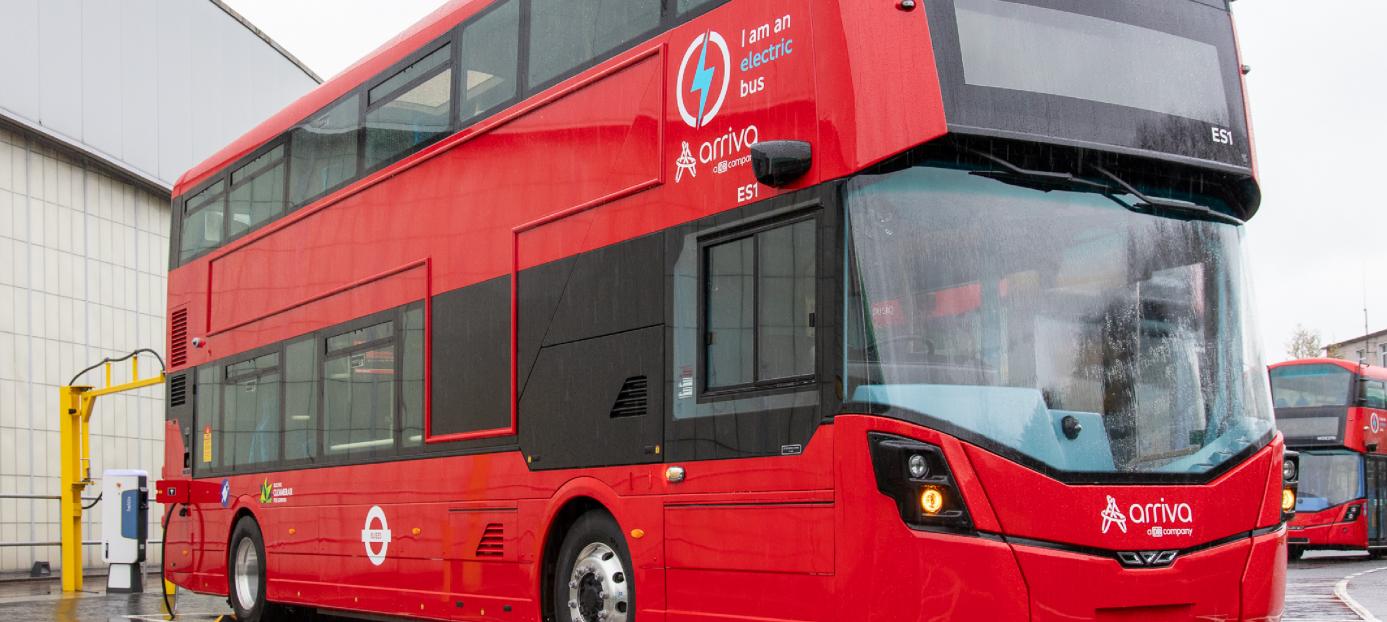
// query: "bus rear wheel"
[[1294, 552], [246, 575], [593, 580]]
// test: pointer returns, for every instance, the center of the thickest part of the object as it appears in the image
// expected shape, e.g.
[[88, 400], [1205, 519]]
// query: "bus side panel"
[[893, 100]]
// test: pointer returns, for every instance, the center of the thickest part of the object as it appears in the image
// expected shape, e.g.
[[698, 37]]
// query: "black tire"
[[1377, 553], [584, 542], [260, 610], [1294, 552]]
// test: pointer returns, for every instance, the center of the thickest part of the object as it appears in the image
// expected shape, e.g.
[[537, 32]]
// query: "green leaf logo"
[[265, 491]]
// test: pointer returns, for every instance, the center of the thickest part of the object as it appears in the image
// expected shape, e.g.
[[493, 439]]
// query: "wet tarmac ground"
[[1310, 596], [34, 601]]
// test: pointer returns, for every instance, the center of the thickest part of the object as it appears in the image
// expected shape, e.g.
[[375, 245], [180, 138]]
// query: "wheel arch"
[[572, 501]]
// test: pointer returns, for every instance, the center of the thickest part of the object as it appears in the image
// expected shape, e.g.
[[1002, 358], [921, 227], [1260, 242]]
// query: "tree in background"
[[1304, 344]]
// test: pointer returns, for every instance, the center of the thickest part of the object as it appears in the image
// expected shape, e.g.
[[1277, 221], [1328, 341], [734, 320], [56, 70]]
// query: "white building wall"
[[83, 259], [155, 85], [102, 103]]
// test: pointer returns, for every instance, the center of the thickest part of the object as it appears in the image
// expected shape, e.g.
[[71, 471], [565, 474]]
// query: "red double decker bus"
[[710, 310], [1334, 413]]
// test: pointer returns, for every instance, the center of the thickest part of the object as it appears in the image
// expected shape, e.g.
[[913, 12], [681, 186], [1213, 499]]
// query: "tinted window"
[[565, 34], [412, 379], [1328, 479], [257, 192], [323, 151], [202, 221], [209, 425], [359, 393], [785, 295], [731, 314], [688, 6], [490, 49], [1041, 50], [360, 336], [760, 307], [410, 109], [301, 400], [1374, 394], [251, 426], [1302, 386]]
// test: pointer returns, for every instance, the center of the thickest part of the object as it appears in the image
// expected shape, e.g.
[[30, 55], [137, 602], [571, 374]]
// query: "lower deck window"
[[250, 407], [359, 391], [759, 293]]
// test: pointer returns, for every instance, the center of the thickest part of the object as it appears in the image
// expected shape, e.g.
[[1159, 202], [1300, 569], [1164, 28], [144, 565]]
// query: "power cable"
[[117, 360]]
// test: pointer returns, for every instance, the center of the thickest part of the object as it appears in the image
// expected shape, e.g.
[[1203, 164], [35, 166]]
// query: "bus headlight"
[[1290, 484], [1353, 512], [917, 477]]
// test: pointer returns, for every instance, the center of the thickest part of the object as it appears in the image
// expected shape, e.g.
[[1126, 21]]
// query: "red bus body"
[[585, 164], [1353, 522]]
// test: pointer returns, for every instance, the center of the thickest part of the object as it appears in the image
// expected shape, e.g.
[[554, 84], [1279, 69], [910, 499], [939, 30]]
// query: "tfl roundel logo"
[[704, 75]]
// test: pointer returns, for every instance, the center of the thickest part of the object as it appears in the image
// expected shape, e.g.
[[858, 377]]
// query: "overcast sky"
[[1316, 90]]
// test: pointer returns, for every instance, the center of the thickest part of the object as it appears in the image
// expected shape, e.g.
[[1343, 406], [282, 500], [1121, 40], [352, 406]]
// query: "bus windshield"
[[1328, 479], [1058, 325], [1303, 386]]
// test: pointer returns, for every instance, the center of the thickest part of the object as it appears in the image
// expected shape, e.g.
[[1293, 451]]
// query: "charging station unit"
[[124, 528]]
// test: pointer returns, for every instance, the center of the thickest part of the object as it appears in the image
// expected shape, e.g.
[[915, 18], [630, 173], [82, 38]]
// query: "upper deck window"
[[1304, 386], [490, 53], [202, 221], [567, 34], [323, 151], [688, 6], [257, 192], [411, 108]]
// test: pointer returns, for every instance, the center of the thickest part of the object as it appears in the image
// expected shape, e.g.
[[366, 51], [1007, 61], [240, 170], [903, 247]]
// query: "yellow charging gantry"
[[75, 411]]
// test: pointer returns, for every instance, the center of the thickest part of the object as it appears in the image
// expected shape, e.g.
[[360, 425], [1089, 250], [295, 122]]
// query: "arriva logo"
[[1159, 515], [709, 75], [1113, 516]]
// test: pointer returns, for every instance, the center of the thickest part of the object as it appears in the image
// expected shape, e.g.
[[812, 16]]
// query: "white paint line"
[[1341, 591]]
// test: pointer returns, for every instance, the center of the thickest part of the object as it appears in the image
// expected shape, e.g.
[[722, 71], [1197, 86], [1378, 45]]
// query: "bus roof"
[[1370, 371], [431, 27]]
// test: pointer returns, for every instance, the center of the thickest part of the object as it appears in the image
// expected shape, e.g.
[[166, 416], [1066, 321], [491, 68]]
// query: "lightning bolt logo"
[[703, 80]]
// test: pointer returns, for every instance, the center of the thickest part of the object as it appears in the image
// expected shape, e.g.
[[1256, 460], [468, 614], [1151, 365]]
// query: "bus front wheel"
[[593, 581], [1294, 552], [246, 575]]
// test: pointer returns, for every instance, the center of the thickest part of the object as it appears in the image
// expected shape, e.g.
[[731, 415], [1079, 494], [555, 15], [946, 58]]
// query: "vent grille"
[[493, 542], [634, 398], [178, 338], [178, 390]]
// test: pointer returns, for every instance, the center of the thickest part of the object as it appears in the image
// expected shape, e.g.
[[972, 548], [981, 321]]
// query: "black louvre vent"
[[633, 400], [493, 542], [178, 390], [178, 338]]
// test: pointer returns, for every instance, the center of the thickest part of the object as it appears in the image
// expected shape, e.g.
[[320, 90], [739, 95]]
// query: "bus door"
[[1376, 490]]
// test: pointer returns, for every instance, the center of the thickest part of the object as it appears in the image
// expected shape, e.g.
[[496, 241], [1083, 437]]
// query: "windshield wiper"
[[1038, 180], [1149, 203], [1057, 180]]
